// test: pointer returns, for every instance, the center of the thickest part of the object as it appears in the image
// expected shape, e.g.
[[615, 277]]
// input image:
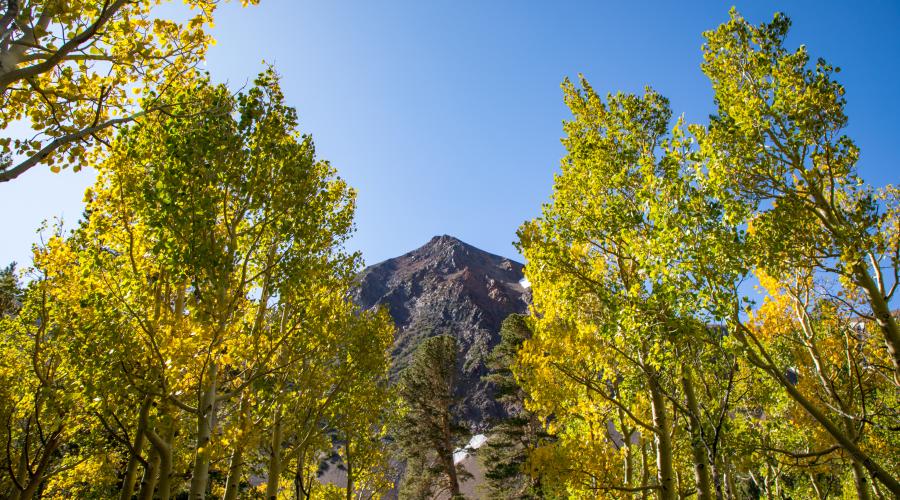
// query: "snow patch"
[[476, 442], [525, 283]]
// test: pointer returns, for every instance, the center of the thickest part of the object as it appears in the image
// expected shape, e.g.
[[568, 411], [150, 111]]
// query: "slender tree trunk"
[[302, 491], [877, 490], [728, 478], [840, 437], [629, 466], [275, 456], [43, 463], [862, 277], [166, 461], [235, 470], [664, 463], [448, 458], [861, 481], [151, 474], [729, 481], [860, 478], [629, 455], [21, 467], [815, 485], [715, 470], [161, 453], [883, 316], [236, 463], [31, 488], [701, 461], [451, 474], [298, 481], [645, 470], [137, 445], [778, 491], [349, 463], [205, 414]]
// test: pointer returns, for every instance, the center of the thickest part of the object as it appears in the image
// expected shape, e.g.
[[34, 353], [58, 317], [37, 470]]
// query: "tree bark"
[[43, 463], [349, 463], [161, 464], [664, 463], [275, 457], [236, 462], [151, 474], [205, 414], [883, 317], [55, 58], [715, 472], [166, 462], [300, 491], [6, 22], [729, 481], [448, 459], [837, 224], [701, 460], [137, 446], [861, 482], [840, 437], [629, 466], [645, 470], [629, 451], [815, 485]]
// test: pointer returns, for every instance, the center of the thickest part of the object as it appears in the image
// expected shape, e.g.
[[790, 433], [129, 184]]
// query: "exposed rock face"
[[448, 287]]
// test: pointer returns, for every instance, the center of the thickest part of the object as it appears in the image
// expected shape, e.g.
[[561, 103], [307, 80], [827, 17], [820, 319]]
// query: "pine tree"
[[10, 291], [511, 438], [429, 433]]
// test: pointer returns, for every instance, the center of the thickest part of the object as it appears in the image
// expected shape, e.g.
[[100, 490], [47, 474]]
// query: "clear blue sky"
[[446, 116]]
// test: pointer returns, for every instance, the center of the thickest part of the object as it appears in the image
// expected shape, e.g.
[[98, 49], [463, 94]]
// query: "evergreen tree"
[[10, 291], [511, 438], [429, 433]]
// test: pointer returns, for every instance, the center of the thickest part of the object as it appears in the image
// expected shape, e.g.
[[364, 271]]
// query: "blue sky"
[[446, 116]]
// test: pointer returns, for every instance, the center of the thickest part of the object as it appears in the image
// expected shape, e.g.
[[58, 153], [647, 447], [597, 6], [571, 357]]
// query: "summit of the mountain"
[[453, 288]]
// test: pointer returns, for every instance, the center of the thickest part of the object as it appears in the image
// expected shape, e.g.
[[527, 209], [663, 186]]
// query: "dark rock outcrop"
[[448, 287]]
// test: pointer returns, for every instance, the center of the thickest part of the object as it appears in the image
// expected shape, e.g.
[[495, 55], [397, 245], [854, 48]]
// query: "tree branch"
[[11, 173], [106, 13], [8, 19]]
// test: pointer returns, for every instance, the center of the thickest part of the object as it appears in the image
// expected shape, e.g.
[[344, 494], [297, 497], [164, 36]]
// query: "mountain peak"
[[443, 240], [448, 287], [446, 252]]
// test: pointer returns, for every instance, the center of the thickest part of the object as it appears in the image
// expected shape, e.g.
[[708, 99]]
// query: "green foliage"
[[195, 329], [10, 291], [428, 432], [198, 319], [650, 233], [776, 157], [512, 438], [74, 70]]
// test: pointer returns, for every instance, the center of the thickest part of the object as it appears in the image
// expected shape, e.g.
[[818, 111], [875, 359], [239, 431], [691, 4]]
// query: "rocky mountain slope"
[[448, 287]]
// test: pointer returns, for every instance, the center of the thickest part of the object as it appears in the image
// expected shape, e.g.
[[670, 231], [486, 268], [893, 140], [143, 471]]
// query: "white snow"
[[474, 443], [525, 283]]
